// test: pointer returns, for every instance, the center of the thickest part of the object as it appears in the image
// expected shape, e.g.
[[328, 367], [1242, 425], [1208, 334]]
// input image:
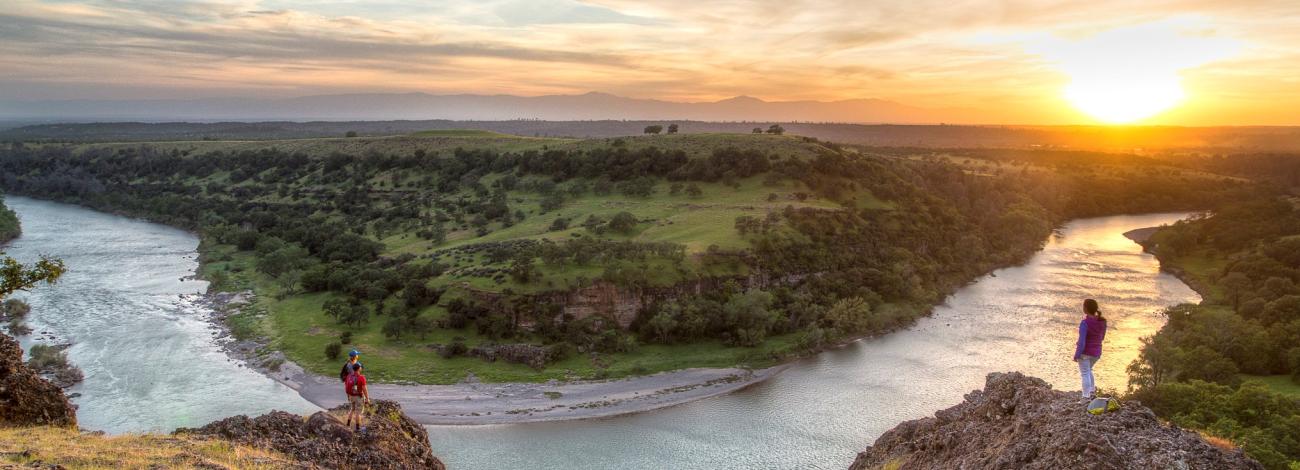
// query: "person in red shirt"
[[358, 396]]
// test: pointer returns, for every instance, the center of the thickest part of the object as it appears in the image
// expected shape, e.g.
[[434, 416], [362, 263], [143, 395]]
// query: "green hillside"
[[1231, 365], [446, 253]]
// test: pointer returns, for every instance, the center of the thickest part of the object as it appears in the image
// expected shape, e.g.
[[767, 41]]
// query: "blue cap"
[[354, 353]]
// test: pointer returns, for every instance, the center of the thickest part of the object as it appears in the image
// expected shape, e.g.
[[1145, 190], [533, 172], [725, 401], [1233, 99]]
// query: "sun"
[[1129, 74], [1122, 100]]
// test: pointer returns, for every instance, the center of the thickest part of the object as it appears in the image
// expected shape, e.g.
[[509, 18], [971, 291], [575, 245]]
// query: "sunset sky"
[[1024, 62]]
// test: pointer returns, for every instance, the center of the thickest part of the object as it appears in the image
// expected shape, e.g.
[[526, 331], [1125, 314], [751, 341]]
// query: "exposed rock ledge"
[[391, 440], [1019, 422], [25, 398]]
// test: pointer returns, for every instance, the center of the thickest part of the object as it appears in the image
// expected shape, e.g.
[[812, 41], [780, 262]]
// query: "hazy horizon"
[[553, 108], [468, 106]]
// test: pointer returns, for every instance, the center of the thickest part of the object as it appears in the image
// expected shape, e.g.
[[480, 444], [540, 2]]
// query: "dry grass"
[[75, 450], [1216, 441]]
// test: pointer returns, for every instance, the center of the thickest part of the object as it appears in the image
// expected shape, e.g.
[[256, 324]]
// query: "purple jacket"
[[1091, 332]]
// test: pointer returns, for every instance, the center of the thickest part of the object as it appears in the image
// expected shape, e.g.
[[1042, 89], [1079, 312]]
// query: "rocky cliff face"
[[623, 304], [1019, 422], [26, 399], [391, 440]]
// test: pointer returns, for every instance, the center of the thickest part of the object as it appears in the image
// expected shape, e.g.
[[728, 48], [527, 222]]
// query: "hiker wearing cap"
[[1092, 330], [354, 358], [358, 396]]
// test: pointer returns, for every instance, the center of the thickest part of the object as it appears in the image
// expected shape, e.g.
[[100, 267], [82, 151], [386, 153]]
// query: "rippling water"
[[147, 352], [151, 364]]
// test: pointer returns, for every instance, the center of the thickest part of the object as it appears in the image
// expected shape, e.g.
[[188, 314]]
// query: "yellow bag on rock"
[[1101, 405]]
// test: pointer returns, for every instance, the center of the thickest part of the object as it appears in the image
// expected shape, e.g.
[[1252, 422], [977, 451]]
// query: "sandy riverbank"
[[1141, 235], [495, 403], [505, 403]]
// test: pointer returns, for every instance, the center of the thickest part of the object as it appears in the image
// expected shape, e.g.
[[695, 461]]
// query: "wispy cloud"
[[922, 52]]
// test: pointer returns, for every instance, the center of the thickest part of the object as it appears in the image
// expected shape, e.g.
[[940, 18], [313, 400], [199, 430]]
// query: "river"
[[151, 364], [138, 332]]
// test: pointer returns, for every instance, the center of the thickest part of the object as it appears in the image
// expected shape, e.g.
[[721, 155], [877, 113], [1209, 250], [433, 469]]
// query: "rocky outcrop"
[[26, 399], [622, 304], [1019, 422], [530, 355], [605, 299], [391, 440], [51, 362]]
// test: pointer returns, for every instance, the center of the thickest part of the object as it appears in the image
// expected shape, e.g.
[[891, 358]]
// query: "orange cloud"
[[937, 54]]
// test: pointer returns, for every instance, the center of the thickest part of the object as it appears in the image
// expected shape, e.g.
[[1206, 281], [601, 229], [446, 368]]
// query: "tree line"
[[1248, 323]]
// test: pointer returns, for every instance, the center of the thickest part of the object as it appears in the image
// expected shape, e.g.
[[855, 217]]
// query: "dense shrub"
[[332, 351]]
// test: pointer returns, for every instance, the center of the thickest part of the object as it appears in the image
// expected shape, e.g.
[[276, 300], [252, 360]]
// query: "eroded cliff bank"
[[1019, 422]]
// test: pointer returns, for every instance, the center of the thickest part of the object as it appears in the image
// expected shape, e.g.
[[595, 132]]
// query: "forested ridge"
[[395, 248]]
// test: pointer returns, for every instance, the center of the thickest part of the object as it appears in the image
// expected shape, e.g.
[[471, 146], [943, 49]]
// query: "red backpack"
[[351, 385]]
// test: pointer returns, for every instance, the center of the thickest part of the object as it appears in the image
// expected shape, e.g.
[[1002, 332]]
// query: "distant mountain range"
[[419, 106]]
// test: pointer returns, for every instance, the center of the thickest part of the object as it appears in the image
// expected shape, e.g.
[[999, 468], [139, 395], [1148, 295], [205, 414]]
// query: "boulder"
[[26, 399], [391, 440], [1019, 422]]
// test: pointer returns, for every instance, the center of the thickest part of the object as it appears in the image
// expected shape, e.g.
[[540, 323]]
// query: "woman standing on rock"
[[1092, 330]]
